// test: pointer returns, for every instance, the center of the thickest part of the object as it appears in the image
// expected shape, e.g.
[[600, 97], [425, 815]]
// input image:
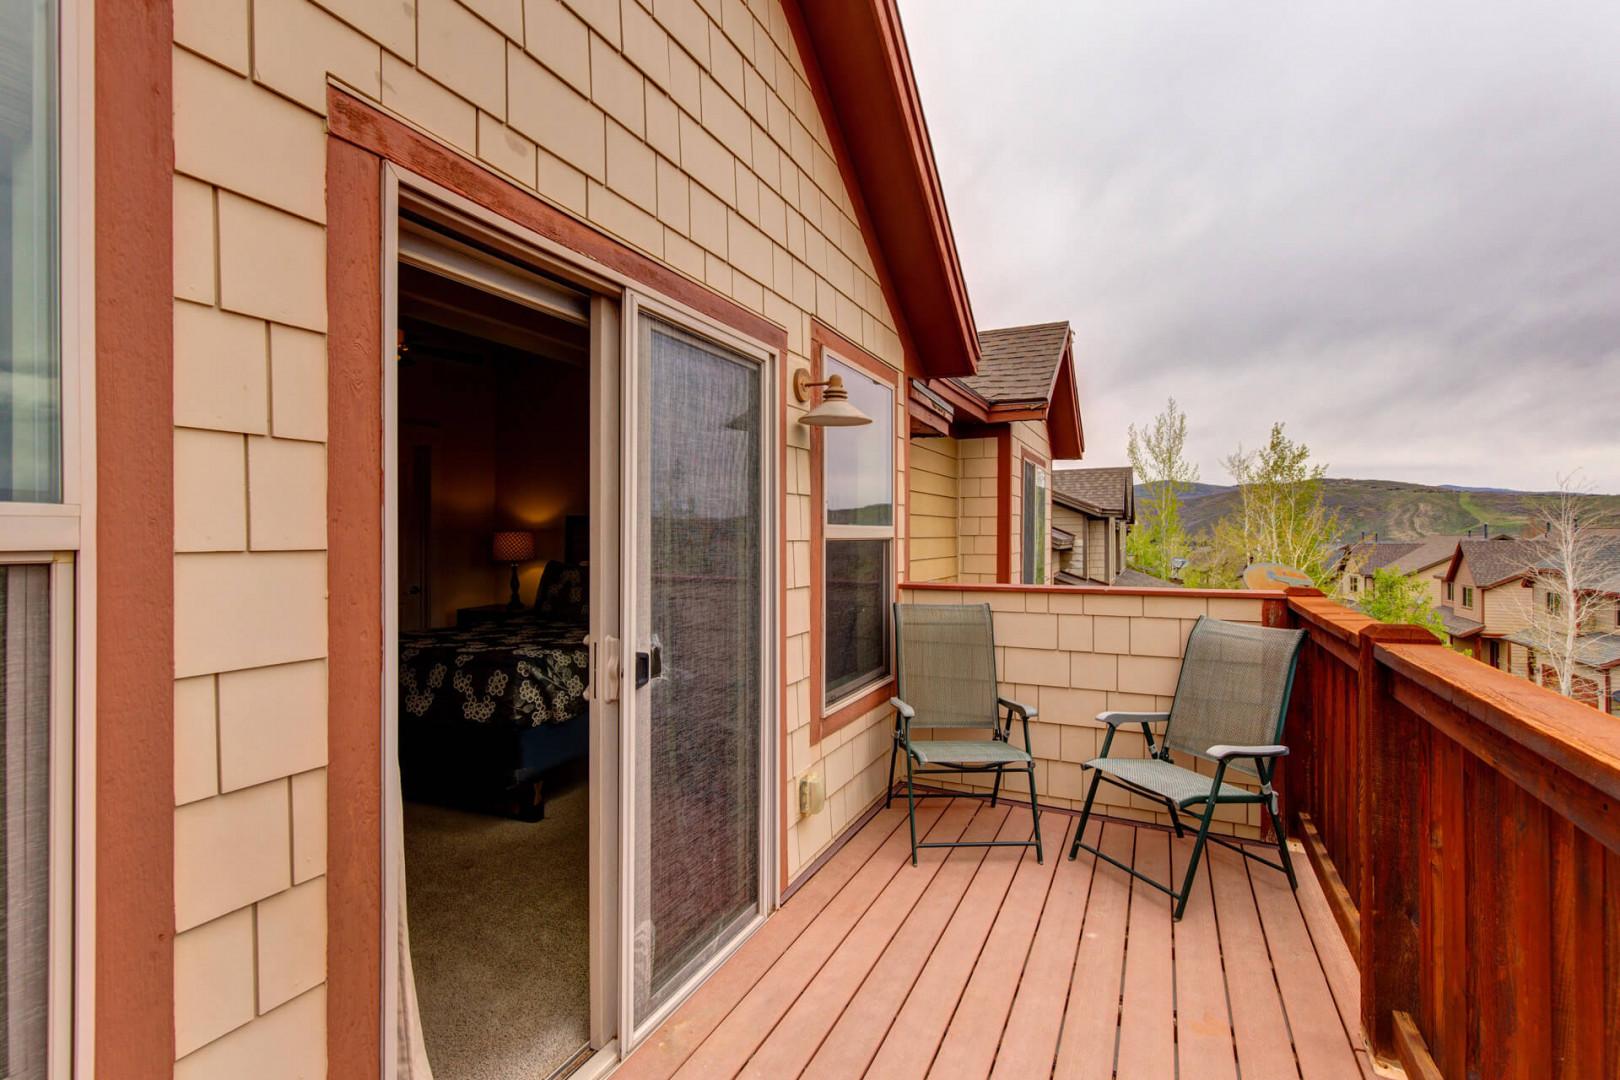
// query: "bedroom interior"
[[493, 494]]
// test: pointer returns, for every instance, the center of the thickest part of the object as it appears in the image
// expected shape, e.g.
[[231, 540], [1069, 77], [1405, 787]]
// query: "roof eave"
[[869, 101]]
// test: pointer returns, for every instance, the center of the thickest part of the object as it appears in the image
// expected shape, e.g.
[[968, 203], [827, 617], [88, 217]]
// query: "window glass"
[[857, 652], [860, 460], [25, 653], [1034, 507], [30, 377]]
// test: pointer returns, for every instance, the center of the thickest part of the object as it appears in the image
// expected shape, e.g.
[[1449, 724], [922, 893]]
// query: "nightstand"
[[483, 613]]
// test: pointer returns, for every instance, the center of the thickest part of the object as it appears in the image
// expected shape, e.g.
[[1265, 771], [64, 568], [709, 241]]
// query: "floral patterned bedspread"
[[523, 672]]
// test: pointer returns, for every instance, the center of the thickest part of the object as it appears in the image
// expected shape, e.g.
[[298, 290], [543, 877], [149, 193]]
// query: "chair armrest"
[[1114, 719], [1025, 711], [1226, 753], [903, 709]]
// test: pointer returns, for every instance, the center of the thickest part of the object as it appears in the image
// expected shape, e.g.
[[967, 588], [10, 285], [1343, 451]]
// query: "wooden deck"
[[983, 963]]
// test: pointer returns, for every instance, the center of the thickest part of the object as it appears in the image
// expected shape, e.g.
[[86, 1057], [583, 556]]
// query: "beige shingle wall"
[[935, 505], [1074, 655], [685, 128], [976, 510]]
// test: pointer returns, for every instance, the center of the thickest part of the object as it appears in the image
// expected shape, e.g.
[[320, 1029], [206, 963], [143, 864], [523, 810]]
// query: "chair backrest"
[[946, 661], [1234, 688]]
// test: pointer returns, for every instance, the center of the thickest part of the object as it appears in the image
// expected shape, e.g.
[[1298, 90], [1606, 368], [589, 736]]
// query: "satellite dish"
[[1270, 575]]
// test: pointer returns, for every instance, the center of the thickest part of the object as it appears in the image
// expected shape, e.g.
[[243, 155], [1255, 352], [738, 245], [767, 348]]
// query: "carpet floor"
[[500, 936]]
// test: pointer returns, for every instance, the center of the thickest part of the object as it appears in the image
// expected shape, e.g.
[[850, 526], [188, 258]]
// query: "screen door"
[[693, 729]]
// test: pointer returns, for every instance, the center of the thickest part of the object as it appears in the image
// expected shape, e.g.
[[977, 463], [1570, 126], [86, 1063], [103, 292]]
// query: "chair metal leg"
[[1282, 847], [888, 795], [911, 809], [995, 789], [1192, 863], [1034, 810], [1175, 819], [1085, 815]]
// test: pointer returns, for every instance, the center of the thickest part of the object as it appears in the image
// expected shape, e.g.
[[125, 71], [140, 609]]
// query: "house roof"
[[859, 71], [1591, 650], [1431, 552], [1135, 579], [1103, 492], [1026, 373], [1365, 556], [1018, 364], [1495, 561], [1457, 626]]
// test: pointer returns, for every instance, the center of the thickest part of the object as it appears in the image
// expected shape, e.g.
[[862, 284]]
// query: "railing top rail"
[[1565, 734], [1320, 613], [1094, 590]]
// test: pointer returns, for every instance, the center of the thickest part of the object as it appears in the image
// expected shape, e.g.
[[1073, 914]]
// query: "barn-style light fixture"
[[834, 410]]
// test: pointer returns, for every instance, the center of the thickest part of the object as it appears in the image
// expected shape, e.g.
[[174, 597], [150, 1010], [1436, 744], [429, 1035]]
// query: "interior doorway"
[[582, 651], [493, 459]]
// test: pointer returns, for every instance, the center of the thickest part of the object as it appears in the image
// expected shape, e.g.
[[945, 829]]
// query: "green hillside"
[[1396, 510]]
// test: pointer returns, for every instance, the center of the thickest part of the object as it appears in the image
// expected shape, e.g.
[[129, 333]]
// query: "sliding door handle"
[[649, 665]]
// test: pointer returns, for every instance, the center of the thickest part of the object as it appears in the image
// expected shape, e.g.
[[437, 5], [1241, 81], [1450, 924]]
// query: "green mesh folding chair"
[[946, 660], [1229, 708]]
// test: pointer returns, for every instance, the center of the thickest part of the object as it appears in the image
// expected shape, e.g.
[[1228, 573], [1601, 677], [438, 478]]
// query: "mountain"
[[1394, 509]]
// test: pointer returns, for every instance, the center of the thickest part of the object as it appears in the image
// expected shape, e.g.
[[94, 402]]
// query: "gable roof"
[[1431, 552], [1026, 373], [1495, 561], [1366, 556], [859, 70], [1018, 364], [1102, 492]]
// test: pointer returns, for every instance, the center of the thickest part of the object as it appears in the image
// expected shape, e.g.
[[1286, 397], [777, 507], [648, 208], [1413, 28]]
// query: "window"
[[1451, 590], [30, 372], [1035, 532], [1555, 603], [40, 494], [1468, 597], [1355, 583], [858, 558]]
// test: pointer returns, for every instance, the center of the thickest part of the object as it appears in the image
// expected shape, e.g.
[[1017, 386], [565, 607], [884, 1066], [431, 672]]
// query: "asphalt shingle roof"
[[1593, 650], [1369, 555], [1107, 491], [1436, 549], [1017, 363], [1496, 561]]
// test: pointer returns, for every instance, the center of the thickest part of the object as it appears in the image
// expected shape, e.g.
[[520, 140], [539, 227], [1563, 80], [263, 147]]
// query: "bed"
[[486, 710]]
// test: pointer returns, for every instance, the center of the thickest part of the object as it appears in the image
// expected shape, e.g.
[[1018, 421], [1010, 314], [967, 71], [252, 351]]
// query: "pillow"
[[562, 594]]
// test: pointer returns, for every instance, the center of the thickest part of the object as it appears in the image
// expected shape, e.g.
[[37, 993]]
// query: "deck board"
[[848, 1049], [980, 962], [1203, 1016], [908, 1052]]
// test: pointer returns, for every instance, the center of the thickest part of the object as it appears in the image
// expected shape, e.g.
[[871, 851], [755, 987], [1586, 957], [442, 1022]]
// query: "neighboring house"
[[1098, 507], [1359, 561], [981, 455], [1597, 653], [309, 217], [1485, 597], [1427, 563]]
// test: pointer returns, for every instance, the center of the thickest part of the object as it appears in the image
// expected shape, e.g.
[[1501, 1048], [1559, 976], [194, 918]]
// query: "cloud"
[[1395, 227]]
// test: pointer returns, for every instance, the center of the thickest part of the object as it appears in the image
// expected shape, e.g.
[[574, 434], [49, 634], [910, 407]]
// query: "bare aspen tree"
[[1574, 578]]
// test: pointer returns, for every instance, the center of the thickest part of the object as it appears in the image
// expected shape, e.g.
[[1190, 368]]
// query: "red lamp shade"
[[514, 547]]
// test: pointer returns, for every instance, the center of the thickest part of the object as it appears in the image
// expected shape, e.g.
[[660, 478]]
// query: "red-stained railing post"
[[1391, 847]]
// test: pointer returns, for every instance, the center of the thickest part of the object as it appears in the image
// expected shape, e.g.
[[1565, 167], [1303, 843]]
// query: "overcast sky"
[[1393, 225]]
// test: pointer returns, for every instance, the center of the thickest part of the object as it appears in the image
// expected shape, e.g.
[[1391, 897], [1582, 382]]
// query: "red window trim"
[[822, 721]]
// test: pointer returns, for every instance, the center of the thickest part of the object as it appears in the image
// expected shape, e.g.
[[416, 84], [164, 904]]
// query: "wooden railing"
[[1466, 827]]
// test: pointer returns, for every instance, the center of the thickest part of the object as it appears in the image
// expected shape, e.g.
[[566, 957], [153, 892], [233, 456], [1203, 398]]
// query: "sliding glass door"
[[695, 691]]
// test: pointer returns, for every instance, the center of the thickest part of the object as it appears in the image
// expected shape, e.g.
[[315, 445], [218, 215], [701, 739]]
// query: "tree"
[[1283, 518], [1394, 597], [1158, 457], [1580, 562]]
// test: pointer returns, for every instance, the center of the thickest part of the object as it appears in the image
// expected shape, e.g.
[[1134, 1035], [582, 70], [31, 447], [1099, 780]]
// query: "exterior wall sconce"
[[834, 410]]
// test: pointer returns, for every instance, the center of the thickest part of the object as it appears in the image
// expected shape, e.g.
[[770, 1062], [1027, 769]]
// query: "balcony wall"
[[1075, 652]]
